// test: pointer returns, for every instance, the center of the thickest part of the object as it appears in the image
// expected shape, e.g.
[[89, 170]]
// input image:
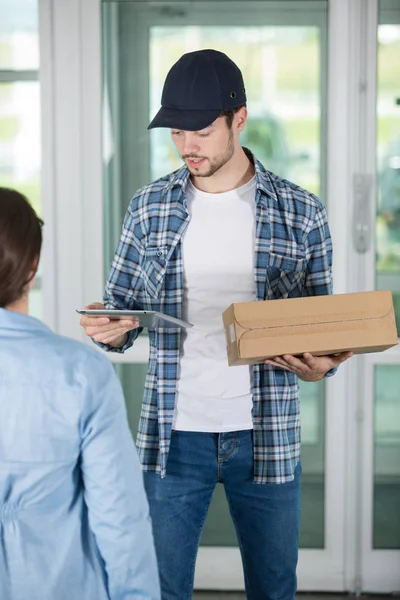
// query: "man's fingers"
[[94, 321], [113, 328], [100, 325], [292, 361], [275, 363], [130, 323], [309, 365], [282, 363], [272, 362], [309, 360], [106, 337], [95, 306], [93, 331], [90, 321], [339, 358]]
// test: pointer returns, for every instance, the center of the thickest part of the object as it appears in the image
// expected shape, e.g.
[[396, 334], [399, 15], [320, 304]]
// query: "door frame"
[[379, 570]]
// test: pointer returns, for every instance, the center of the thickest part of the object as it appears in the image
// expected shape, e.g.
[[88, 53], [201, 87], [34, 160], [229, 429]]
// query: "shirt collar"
[[10, 319], [264, 181]]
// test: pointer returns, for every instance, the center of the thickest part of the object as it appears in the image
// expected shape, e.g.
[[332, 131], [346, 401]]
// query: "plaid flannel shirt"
[[293, 257]]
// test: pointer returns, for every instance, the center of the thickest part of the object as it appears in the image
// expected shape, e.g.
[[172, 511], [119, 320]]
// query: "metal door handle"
[[362, 186]]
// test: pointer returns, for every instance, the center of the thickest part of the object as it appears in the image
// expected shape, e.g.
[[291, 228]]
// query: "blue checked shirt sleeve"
[[318, 281], [125, 283]]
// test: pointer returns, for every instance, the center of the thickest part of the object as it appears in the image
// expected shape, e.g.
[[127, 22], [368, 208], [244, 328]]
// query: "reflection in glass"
[[386, 511], [19, 40], [388, 158]]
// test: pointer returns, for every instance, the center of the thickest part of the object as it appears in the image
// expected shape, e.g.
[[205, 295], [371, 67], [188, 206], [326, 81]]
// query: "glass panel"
[[282, 71], [132, 378], [386, 515], [20, 151], [19, 40], [388, 158], [283, 127], [312, 524]]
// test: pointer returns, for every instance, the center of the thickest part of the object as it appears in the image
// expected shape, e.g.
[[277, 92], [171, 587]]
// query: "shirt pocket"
[[154, 267], [285, 277]]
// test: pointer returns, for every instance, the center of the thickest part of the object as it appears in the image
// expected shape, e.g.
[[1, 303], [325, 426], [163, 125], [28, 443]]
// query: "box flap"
[[313, 310]]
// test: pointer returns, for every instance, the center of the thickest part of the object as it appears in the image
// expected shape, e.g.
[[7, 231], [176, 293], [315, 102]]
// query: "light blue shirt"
[[74, 519]]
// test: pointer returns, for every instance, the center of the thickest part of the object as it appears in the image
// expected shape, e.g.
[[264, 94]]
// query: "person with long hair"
[[74, 518]]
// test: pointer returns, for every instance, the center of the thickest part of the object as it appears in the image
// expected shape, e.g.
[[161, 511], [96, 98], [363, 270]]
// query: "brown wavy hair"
[[230, 114], [20, 245]]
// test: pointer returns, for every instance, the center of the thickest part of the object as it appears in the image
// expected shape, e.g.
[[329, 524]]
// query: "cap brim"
[[186, 120]]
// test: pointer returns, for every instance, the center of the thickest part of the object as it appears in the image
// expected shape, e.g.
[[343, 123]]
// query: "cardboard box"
[[360, 322]]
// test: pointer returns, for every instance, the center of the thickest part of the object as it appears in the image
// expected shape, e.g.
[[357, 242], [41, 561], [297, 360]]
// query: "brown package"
[[359, 322]]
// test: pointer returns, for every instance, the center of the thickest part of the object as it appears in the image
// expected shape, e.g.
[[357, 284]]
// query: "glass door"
[[282, 51]]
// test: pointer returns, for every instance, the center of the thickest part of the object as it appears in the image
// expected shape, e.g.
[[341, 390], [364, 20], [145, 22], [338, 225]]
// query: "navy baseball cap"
[[197, 89]]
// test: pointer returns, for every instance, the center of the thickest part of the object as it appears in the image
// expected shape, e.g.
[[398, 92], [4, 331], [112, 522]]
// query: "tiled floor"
[[218, 596], [241, 596]]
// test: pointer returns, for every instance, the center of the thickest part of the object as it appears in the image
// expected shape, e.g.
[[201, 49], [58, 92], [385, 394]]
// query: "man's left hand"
[[309, 367]]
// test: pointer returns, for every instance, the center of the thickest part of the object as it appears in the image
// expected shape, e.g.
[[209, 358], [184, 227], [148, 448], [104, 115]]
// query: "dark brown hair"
[[20, 244], [229, 115]]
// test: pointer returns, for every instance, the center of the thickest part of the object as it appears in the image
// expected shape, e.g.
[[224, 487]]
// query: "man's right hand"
[[113, 332]]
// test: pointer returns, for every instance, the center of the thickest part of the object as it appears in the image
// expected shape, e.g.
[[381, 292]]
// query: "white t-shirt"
[[218, 258]]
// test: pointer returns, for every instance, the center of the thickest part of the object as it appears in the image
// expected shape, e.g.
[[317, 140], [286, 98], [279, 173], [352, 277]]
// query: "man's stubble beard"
[[217, 163]]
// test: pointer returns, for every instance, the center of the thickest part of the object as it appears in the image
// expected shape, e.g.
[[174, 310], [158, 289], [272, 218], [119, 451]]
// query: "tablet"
[[146, 318]]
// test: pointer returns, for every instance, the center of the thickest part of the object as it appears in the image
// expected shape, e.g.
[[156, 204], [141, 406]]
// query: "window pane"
[[386, 515], [312, 523], [20, 151], [388, 159], [20, 138], [132, 378], [19, 41]]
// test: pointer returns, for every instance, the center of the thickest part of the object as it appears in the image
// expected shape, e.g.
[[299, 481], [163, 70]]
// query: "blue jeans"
[[266, 516]]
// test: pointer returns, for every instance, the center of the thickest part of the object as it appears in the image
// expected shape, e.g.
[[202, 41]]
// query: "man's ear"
[[240, 119]]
